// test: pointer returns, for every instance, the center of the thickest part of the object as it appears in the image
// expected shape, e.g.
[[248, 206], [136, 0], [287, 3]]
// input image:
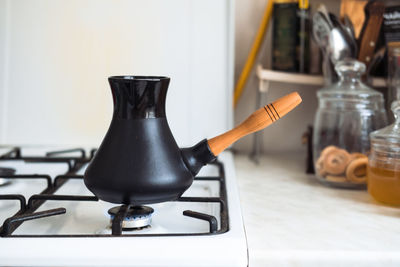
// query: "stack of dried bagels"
[[338, 165]]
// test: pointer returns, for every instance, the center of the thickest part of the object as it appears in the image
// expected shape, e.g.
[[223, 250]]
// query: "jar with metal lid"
[[348, 112], [384, 162]]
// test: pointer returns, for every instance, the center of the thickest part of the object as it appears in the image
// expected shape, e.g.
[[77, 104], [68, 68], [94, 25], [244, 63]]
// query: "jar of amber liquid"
[[383, 171]]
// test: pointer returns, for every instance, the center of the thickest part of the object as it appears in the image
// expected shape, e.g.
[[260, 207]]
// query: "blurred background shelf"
[[265, 75]]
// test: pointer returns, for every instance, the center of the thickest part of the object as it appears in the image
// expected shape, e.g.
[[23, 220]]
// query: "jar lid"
[[391, 133], [350, 87]]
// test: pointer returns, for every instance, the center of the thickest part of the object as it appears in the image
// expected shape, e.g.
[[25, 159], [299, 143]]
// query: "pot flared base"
[[129, 199]]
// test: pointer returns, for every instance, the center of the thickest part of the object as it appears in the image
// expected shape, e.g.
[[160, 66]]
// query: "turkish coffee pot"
[[139, 161]]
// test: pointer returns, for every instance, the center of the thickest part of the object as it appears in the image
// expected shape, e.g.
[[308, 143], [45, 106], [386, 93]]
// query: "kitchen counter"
[[293, 220]]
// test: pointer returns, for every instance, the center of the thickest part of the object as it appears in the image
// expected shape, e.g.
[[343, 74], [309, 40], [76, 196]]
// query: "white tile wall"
[[56, 55]]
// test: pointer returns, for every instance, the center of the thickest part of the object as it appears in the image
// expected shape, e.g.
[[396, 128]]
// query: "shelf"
[[287, 77], [267, 77], [298, 78]]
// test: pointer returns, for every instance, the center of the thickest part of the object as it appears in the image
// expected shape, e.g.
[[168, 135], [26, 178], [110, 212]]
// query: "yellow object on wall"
[[253, 52]]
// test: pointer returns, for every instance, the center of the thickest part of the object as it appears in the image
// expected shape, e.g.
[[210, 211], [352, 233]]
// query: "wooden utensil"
[[354, 9], [374, 16], [260, 119]]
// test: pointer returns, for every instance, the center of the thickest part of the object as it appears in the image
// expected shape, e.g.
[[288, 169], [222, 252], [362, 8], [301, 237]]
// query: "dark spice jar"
[[285, 35]]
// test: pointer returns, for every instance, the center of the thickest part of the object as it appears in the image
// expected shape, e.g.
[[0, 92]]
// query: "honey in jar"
[[383, 171], [384, 184]]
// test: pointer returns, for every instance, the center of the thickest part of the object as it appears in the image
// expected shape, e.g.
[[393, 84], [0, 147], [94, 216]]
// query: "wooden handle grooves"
[[270, 109], [255, 122]]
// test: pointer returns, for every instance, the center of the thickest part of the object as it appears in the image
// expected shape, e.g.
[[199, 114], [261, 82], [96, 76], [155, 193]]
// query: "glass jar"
[[384, 162], [348, 112]]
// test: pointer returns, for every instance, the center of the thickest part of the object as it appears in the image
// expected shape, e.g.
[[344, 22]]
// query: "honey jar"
[[383, 172]]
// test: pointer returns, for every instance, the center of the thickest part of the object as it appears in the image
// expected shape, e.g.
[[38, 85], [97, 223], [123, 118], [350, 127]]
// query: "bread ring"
[[336, 179], [328, 149], [356, 172], [356, 155], [335, 161], [319, 164]]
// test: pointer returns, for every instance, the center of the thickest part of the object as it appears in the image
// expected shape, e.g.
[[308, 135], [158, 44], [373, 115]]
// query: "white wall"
[[60, 53], [198, 25], [3, 20], [285, 135]]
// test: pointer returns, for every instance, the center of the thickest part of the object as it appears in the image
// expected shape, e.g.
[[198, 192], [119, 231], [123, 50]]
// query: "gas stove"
[[49, 217]]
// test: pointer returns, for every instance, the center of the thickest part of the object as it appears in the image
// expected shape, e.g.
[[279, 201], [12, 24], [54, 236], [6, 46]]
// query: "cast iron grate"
[[28, 208], [61, 156]]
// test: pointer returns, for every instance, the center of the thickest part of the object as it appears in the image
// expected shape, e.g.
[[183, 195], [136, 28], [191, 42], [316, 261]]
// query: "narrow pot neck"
[[139, 97]]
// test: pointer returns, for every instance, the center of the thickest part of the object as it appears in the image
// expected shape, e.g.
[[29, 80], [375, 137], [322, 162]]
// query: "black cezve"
[[139, 161]]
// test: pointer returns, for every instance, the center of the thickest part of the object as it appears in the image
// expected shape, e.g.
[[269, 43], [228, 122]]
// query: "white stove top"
[[82, 236]]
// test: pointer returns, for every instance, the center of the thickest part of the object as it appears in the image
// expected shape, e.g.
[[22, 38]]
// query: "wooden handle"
[[354, 9], [257, 121], [370, 33]]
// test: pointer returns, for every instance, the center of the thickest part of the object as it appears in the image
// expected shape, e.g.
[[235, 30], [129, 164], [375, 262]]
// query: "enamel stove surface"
[[73, 228]]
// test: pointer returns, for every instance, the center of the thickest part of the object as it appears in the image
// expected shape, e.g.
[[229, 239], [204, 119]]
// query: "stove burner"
[[5, 172], [136, 218]]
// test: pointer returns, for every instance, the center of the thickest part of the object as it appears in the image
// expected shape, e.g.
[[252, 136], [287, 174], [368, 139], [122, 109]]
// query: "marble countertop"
[[293, 220]]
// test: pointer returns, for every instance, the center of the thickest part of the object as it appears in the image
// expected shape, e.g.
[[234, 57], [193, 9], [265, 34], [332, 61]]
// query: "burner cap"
[[136, 217], [5, 172]]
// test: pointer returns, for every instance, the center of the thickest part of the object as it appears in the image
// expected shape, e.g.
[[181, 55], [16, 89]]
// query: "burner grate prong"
[[116, 227], [59, 198], [67, 151], [208, 178], [205, 217], [13, 153], [7, 225]]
